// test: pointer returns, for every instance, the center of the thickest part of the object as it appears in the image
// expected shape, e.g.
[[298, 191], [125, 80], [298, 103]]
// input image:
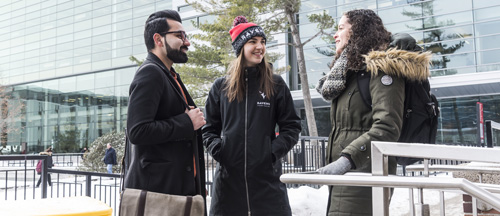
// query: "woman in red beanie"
[[242, 112]]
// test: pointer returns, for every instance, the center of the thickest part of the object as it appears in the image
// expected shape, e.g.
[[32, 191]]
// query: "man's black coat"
[[161, 134]]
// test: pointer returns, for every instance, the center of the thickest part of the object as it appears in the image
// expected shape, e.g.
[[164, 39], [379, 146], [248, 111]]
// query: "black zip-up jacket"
[[246, 181]]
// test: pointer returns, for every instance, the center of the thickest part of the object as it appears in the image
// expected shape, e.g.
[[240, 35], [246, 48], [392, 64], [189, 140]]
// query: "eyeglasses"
[[182, 34]]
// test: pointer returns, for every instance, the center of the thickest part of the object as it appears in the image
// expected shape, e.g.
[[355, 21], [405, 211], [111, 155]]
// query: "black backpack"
[[420, 113]]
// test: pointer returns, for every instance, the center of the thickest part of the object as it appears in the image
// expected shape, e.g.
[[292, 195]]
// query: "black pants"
[[40, 180]]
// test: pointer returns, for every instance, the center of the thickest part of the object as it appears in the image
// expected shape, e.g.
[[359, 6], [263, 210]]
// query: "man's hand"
[[338, 167], [196, 117]]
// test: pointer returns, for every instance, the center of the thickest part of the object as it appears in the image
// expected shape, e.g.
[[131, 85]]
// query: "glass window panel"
[[47, 58], [144, 11], [102, 30], [83, 35], [138, 31], [83, 16], [82, 51], [160, 5], [453, 71], [101, 38], [185, 8], [65, 17], [65, 38], [46, 34], [101, 56], [314, 5], [121, 52], [189, 25], [448, 20], [488, 68], [83, 25], [127, 24], [49, 13], [83, 8], [85, 82], [487, 28], [67, 84], [127, 33], [82, 59], [487, 13], [82, 43], [367, 4], [308, 30], [138, 40], [488, 57], [100, 21], [311, 54], [398, 14], [139, 21], [64, 62], [100, 4], [122, 43], [101, 47], [104, 79], [124, 76], [451, 61], [123, 6], [448, 33], [449, 47], [64, 46], [32, 18], [64, 30], [436, 7], [48, 42], [489, 42], [411, 25], [122, 15], [207, 19], [101, 11], [485, 3]]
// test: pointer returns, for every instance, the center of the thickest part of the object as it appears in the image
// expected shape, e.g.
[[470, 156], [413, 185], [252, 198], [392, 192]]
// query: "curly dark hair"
[[367, 33]]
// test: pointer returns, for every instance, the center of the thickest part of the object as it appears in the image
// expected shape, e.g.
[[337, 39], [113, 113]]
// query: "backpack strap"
[[364, 87]]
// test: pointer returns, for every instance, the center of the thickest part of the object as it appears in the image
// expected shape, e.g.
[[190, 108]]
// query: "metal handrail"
[[380, 151], [395, 182], [453, 168]]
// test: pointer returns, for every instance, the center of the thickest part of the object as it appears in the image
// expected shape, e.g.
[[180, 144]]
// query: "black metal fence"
[[20, 183], [59, 160], [18, 177]]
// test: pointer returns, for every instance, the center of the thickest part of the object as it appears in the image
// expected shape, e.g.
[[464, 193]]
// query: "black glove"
[[338, 167], [404, 41]]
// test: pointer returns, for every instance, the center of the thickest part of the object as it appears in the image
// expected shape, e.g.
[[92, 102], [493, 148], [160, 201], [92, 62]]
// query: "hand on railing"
[[338, 167]]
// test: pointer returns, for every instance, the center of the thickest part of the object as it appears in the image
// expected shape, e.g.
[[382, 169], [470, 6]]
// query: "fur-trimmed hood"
[[400, 63]]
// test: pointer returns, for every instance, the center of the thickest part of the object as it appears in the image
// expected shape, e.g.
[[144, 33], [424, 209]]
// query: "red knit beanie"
[[243, 31]]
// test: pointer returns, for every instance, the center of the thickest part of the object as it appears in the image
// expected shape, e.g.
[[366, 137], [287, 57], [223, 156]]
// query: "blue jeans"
[[110, 168]]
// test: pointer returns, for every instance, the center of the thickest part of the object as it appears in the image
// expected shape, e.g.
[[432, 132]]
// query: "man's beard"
[[177, 56]]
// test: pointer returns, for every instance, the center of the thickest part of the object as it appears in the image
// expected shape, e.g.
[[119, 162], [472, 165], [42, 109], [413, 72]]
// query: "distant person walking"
[[110, 158], [50, 164], [84, 152]]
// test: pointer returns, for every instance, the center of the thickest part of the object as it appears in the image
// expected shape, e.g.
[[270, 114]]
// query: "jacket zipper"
[[246, 139]]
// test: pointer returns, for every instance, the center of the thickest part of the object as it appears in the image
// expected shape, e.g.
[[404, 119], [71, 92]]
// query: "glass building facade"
[[68, 61], [463, 36]]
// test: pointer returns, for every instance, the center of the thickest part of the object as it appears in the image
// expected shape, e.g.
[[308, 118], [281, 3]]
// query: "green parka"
[[355, 125]]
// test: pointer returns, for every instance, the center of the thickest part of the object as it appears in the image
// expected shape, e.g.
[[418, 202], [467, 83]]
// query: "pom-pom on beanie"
[[243, 31]]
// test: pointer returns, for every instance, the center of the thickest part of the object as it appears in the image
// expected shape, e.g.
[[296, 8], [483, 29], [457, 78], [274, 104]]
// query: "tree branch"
[[311, 38]]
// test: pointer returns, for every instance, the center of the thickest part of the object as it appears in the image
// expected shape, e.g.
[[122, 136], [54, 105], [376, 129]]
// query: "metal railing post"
[[303, 153], [88, 185], [323, 155], [44, 176]]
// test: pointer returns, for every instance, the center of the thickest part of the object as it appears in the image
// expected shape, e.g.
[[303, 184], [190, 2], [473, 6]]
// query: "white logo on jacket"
[[263, 103]]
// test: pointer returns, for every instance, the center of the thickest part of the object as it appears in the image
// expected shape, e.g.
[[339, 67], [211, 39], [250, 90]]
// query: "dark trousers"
[[40, 180]]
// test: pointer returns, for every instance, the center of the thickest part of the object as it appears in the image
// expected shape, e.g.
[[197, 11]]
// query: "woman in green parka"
[[362, 46]]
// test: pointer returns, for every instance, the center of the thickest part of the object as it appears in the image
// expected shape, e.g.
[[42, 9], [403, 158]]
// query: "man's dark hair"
[[156, 23]]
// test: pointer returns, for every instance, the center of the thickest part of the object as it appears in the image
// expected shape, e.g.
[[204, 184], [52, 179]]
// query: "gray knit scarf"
[[333, 84]]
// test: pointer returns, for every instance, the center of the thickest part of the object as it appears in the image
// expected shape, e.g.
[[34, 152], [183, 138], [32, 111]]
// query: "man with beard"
[[165, 154]]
